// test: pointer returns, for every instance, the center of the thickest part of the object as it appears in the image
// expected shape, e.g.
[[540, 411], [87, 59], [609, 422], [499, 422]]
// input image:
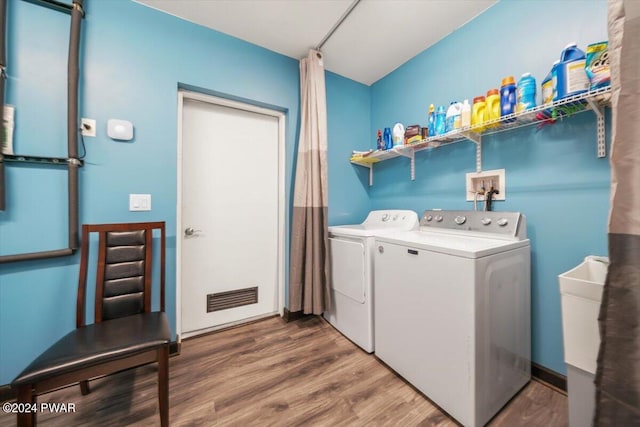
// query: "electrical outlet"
[[475, 182], [88, 127]]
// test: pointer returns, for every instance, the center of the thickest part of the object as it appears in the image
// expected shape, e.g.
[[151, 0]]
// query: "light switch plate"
[[139, 202]]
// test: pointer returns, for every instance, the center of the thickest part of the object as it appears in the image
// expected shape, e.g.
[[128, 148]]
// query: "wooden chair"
[[125, 332]]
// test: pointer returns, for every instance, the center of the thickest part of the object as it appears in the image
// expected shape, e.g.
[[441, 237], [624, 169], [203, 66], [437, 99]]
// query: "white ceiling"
[[375, 39]]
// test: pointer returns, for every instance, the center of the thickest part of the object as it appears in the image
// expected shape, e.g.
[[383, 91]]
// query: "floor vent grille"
[[230, 299]]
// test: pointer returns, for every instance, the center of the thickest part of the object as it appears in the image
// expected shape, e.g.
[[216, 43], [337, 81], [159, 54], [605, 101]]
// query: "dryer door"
[[348, 268]]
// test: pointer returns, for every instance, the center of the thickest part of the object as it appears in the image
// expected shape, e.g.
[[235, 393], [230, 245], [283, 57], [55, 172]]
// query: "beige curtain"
[[309, 260], [618, 373]]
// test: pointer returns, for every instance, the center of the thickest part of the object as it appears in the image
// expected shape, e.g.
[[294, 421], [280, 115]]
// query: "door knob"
[[189, 231]]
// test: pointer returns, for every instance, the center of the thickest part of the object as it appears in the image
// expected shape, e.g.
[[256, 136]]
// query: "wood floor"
[[272, 373]]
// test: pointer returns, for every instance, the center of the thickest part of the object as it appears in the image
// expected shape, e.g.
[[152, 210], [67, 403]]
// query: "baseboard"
[[290, 316], [174, 348], [549, 377], [7, 393]]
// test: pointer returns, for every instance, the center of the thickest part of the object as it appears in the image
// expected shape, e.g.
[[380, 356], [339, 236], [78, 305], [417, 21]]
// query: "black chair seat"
[[98, 343]]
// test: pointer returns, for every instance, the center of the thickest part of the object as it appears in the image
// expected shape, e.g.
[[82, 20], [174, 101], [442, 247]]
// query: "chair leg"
[[84, 387], [26, 395], [163, 385]]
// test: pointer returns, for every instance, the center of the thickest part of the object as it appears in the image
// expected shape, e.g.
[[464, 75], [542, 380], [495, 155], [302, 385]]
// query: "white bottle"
[[398, 135], [465, 114]]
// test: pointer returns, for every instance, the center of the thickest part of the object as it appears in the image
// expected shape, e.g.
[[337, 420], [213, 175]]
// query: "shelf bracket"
[[411, 154], [479, 156], [600, 132]]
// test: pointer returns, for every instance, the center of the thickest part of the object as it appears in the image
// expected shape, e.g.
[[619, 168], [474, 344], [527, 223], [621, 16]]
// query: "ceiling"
[[375, 38]]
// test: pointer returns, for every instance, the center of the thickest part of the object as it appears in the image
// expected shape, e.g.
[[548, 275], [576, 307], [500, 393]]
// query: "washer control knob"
[[502, 222], [428, 217], [485, 221], [395, 217], [381, 249], [460, 219], [385, 217], [439, 218]]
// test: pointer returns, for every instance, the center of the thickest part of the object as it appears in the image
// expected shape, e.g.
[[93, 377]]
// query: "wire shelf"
[[39, 160], [594, 100]]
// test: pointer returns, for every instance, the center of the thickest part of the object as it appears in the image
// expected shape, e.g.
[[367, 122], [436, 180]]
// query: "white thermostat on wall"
[[122, 130]]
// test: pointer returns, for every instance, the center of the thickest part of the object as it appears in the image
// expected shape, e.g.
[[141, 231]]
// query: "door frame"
[[186, 94]]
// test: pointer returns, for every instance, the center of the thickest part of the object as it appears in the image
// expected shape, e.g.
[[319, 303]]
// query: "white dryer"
[[452, 309], [351, 252]]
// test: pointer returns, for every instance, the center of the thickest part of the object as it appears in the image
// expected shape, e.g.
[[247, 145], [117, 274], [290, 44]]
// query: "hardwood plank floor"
[[272, 373]]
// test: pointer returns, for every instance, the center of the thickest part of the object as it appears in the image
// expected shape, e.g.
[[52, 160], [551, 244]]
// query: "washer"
[[351, 249], [452, 309]]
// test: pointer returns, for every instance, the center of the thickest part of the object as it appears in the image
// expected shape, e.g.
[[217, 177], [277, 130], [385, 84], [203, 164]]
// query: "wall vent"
[[230, 299]]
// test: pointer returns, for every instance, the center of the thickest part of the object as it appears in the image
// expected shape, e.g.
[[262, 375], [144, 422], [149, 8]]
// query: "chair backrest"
[[123, 275]]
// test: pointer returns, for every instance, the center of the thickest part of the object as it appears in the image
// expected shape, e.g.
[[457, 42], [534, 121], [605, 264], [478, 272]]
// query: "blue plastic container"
[[571, 76], [526, 93], [508, 97], [431, 121], [546, 89], [441, 114], [386, 136]]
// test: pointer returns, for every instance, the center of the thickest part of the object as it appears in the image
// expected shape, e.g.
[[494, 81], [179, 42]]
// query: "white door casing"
[[231, 193]]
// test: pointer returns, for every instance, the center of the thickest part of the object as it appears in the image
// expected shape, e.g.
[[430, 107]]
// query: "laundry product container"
[[581, 293]]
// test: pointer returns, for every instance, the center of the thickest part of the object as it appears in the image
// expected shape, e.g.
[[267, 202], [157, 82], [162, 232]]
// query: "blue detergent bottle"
[[431, 126], [441, 113], [526, 93], [508, 97], [571, 75], [388, 142]]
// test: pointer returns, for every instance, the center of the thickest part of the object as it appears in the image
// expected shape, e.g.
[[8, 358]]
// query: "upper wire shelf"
[[593, 100]]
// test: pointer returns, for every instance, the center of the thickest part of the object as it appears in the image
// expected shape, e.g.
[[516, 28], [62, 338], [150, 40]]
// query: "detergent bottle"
[[453, 116], [493, 107], [508, 97], [478, 113], [388, 142], [432, 120], [398, 135], [440, 120], [526, 93], [571, 74], [546, 89], [465, 114]]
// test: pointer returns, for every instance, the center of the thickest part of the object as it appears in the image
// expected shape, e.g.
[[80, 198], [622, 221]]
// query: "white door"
[[230, 213]]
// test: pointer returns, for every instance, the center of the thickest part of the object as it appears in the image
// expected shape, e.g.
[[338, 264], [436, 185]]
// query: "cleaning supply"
[[440, 120], [597, 65], [431, 124], [526, 93], [493, 106], [380, 142], [546, 89], [554, 78], [478, 113], [453, 116], [508, 97], [398, 135], [412, 134], [465, 114], [388, 142], [571, 75]]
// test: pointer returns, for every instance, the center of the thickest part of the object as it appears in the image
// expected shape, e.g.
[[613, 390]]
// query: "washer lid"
[[457, 245]]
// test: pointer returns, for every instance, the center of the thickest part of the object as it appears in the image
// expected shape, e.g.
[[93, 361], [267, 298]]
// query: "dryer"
[[351, 249], [452, 309]]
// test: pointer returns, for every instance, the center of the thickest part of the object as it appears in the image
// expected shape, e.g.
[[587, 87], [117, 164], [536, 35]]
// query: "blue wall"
[[133, 60], [553, 175]]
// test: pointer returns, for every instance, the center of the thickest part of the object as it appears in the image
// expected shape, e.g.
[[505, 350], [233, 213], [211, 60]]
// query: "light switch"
[[139, 202]]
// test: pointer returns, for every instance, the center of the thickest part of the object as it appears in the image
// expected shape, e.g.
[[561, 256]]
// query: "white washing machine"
[[452, 309], [351, 251]]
